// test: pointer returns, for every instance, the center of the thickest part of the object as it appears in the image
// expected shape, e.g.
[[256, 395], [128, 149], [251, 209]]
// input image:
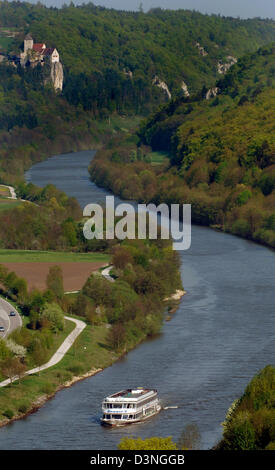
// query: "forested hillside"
[[102, 48], [110, 59], [221, 151]]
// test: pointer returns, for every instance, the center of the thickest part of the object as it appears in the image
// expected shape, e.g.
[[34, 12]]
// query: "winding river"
[[221, 335]]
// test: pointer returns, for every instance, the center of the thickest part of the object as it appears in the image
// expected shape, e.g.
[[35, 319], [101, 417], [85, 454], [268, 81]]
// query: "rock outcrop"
[[57, 75], [161, 84], [185, 89], [128, 73], [212, 92], [201, 49], [224, 67]]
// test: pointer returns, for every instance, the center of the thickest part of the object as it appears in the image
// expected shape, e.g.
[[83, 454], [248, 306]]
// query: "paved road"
[[12, 192], [59, 354], [106, 273], [9, 323]]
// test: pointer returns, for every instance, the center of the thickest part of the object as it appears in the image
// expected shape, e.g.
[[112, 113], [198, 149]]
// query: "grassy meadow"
[[31, 256]]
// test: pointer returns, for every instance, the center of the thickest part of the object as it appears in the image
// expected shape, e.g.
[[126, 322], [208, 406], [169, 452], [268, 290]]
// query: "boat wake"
[[170, 407]]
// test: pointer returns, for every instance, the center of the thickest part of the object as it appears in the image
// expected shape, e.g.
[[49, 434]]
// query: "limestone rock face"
[[57, 75], [185, 89], [201, 49], [224, 67], [128, 73], [159, 83], [212, 92]]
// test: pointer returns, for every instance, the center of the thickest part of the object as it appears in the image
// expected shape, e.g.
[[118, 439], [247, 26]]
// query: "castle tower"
[[28, 43]]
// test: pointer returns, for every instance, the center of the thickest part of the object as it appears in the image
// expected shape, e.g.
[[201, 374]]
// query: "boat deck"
[[130, 393]]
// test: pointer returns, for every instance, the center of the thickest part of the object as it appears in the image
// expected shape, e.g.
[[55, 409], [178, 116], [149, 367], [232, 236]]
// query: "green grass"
[[5, 42], [119, 123], [89, 351], [8, 28], [28, 256], [57, 341], [4, 191], [6, 204]]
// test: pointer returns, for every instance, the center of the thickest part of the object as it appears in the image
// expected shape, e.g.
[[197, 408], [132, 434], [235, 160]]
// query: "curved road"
[[9, 323], [59, 354], [12, 192], [106, 273]]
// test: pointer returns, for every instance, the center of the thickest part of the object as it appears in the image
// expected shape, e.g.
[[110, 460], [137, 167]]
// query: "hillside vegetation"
[[222, 153], [110, 59], [250, 422], [163, 42]]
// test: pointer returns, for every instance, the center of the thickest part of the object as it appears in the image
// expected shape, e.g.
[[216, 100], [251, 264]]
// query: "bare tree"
[[12, 368], [190, 437]]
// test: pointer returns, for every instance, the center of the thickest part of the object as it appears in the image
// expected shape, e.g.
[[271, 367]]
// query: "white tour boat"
[[130, 406]]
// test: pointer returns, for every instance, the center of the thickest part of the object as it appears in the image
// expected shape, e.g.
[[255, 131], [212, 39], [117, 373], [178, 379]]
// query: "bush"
[[244, 197], [53, 313], [240, 434], [47, 388], [271, 446], [22, 408], [241, 228], [76, 369], [8, 413]]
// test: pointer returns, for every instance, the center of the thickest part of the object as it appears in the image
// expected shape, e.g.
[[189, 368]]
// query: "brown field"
[[74, 274]]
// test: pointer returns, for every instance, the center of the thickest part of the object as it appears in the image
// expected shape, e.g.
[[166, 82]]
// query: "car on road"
[[2, 329], [12, 314]]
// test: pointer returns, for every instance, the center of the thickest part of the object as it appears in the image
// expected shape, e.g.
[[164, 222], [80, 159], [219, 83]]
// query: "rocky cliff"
[[57, 75], [162, 85]]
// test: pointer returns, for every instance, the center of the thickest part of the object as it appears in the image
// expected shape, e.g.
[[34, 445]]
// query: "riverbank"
[[88, 134], [43, 399], [127, 170], [88, 355], [91, 347], [249, 423]]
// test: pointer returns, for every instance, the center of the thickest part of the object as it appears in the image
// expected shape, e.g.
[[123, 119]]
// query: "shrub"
[[241, 227], [47, 388], [244, 197], [240, 434], [8, 413], [22, 408], [53, 313], [76, 369]]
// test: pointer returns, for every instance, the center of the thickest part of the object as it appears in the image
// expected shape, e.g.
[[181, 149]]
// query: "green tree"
[[152, 443], [39, 355], [117, 337], [55, 281], [52, 312], [12, 367], [189, 438], [4, 350]]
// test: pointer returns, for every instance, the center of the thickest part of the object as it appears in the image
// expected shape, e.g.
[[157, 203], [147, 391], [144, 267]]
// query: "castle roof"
[[28, 36], [39, 47], [48, 51]]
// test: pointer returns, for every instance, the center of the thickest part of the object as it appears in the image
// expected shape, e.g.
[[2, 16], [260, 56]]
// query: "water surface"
[[221, 335]]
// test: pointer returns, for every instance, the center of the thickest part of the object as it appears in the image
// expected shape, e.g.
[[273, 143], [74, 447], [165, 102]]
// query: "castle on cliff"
[[39, 53]]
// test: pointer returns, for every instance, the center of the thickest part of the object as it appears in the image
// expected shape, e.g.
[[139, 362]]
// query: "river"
[[221, 335]]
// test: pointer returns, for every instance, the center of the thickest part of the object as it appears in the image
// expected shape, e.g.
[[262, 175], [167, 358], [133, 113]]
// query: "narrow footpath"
[[58, 355]]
